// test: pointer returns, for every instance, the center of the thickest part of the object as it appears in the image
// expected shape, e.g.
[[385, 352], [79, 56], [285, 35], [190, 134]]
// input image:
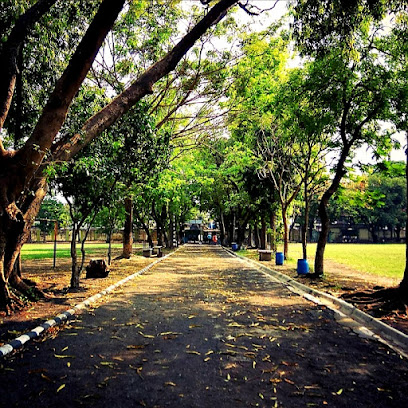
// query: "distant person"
[[215, 239]]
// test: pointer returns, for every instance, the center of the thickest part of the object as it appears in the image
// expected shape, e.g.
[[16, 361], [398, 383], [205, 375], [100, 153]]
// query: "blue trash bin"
[[279, 258], [302, 266], [234, 246]]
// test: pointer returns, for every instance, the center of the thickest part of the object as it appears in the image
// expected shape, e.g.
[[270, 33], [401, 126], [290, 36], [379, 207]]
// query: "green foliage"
[[377, 199], [52, 210], [43, 58], [320, 25]]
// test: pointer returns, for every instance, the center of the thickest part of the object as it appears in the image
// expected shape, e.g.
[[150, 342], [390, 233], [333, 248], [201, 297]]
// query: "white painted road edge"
[[57, 320], [363, 324]]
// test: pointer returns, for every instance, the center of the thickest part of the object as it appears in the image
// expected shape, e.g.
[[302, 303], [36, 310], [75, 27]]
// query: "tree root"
[[13, 303], [381, 302], [28, 290]]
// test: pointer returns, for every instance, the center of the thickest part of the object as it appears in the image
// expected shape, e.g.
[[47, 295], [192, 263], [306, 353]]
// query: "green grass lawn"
[[378, 259], [45, 251]]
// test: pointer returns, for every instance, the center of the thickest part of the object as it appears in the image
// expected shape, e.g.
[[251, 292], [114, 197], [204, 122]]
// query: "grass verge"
[[46, 251], [386, 260]]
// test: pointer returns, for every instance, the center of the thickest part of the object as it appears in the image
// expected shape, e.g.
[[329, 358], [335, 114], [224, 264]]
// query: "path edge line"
[[18, 342], [394, 338]]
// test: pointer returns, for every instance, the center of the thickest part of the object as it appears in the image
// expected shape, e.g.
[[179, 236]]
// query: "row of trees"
[[74, 74], [292, 120]]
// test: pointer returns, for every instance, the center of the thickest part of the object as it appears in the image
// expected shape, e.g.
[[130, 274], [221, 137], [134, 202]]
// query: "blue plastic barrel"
[[234, 246], [279, 258], [302, 266]]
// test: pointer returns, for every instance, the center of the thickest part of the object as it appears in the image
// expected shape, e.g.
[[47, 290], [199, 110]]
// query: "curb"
[[394, 338], [68, 314]]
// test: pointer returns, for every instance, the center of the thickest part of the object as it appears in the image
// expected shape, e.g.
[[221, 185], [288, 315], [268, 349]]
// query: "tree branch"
[[9, 55], [66, 149]]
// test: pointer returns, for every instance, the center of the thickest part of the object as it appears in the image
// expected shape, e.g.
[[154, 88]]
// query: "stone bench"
[[265, 254], [158, 250]]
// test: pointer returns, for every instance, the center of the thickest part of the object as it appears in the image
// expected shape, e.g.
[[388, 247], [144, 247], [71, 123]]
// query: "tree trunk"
[[15, 227], [250, 236], [263, 232], [222, 227], [285, 232], [273, 228], [11, 49], [128, 229], [110, 245], [256, 236], [81, 266], [324, 233], [74, 257], [404, 282], [305, 225], [323, 214]]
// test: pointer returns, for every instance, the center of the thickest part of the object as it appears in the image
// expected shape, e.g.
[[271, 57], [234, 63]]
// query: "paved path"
[[204, 329]]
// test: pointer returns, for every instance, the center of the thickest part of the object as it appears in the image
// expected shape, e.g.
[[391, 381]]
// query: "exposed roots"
[[13, 303], [380, 302], [19, 296], [28, 290]]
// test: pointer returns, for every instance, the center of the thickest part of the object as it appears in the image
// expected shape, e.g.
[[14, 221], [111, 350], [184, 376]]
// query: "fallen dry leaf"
[[61, 387]]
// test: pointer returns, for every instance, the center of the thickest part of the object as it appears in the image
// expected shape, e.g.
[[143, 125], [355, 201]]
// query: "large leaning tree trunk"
[[22, 181]]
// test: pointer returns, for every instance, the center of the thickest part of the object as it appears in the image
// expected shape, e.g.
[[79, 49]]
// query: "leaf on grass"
[[61, 387], [228, 377], [288, 381], [192, 316], [193, 326], [117, 358], [253, 364], [169, 333], [339, 391], [169, 383], [209, 352], [193, 352], [65, 348], [261, 396], [207, 359], [68, 364]]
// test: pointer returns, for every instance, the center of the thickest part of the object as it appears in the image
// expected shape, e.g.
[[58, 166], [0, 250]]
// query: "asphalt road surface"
[[204, 329]]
